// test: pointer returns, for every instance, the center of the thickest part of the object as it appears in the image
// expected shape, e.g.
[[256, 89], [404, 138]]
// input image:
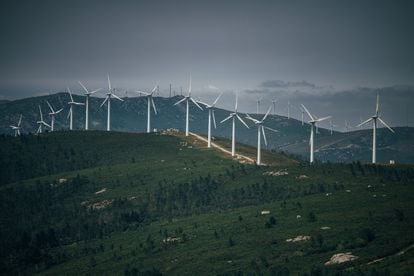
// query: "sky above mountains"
[[298, 50]]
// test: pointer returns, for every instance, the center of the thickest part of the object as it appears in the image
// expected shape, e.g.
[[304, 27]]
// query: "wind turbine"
[[260, 130], [233, 116], [53, 114], [332, 125], [274, 101], [347, 126], [374, 119], [87, 95], [150, 101], [70, 114], [41, 123], [17, 128], [302, 114], [313, 122], [187, 100], [109, 95], [258, 106], [288, 110], [210, 109]]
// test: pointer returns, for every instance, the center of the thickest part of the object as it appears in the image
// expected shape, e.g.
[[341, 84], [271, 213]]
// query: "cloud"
[[288, 84]]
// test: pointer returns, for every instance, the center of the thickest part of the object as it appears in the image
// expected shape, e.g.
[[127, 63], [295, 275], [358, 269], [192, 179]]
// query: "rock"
[[341, 258], [299, 239]]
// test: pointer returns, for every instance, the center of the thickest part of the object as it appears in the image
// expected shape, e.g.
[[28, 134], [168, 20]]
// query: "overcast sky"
[[262, 49]]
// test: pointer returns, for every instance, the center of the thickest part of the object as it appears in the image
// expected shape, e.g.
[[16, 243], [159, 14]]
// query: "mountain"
[[131, 115], [97, 202]]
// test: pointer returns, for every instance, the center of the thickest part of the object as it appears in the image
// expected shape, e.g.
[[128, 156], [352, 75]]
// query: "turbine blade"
[[51, 109], [109, 83], [267, 113], [364, 122], [226, 119], [41, 114], [155, 87], [106, 99], [70, 94], [241, 120], [307, 111], [323, 119], [214, 103], [84, 88], [180, 101], [116, 97], [251, 118], [20, 120], [94, 91], [45, 124], [387, 126], [153, 105], [189, 88], [264, 135], [377, 107], [214, 118], [237, 101], [271, 129], [196, 103], [70, 112], [142, 92], [60, 110]]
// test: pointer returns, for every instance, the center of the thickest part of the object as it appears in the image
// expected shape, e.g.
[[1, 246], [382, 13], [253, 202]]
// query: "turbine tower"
[[87, 95], [150, 101], [17, 128], [347, 126], [70, 114], [109, 95], [260, 130], [41, 123], [313, 122], [374, 119], [187, 100], [53, 114], [211, 115], [233, 116]]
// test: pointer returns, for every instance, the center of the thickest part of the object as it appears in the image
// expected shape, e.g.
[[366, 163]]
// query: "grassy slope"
[[172, 160]]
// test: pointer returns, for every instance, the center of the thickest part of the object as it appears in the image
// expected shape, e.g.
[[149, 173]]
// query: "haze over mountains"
[[130, 116]]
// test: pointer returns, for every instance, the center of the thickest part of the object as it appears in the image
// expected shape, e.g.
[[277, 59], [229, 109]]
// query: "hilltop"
[[131, 116], [161, 203]]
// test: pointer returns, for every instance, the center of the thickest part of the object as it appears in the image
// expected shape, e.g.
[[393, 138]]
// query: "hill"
[[131, 116], [161, 203]]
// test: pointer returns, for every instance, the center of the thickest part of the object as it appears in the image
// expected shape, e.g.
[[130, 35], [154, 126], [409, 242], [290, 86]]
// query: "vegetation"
[[118, 203]]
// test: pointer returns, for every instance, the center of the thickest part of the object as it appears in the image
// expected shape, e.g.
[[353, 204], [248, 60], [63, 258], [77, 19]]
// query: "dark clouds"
[[287, 84], [231, 44]]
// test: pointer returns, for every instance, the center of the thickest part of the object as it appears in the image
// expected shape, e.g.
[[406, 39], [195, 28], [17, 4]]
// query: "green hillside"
[[131, 115], [121, 203]]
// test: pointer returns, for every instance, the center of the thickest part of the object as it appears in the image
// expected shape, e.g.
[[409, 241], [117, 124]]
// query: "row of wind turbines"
[[188, 99]]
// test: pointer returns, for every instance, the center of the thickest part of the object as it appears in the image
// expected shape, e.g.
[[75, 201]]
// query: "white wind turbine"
[[258, 105], [53, 114], [374, 119], [211, 115], [233, 116], [41, 123], [331, 125], [87, 95], [274, 101], [288, 110], [260, 130], [150, 101], [187, 100], [70, 114], [109, 95], [17, 128], [347, 126], [313, 122]]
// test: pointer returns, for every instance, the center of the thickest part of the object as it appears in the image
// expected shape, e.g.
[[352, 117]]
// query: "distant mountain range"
[[131, 116]]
